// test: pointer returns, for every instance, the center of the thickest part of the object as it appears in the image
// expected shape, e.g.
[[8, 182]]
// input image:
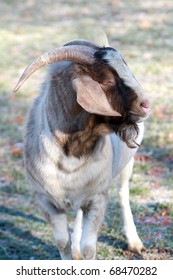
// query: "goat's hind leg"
[[57, 218], [134, 242]]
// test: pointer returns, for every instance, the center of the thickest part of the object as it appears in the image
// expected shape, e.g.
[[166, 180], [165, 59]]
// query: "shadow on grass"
[[113, 241], [12, 212], [18, 243], [25, 237]]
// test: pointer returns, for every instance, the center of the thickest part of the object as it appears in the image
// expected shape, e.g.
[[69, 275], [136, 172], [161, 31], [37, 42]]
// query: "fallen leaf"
[[170, 136], [19, 120], [143, 157], [17, 150], [162, 112], [164, 212], [145, 24], [156, 185], [162, 250], [156, 171], [166, 221]]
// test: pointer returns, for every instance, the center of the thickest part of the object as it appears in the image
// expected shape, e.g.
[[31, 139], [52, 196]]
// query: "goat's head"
[[107, 88]]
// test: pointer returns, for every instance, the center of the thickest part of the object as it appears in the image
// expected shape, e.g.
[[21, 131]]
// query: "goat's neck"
[[82, 143]]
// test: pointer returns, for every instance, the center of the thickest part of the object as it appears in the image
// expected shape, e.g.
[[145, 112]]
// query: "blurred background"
[[143, 32]]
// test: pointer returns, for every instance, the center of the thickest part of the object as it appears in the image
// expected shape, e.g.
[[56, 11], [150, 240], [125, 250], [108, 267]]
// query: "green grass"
[[143, 33], [139, 190]]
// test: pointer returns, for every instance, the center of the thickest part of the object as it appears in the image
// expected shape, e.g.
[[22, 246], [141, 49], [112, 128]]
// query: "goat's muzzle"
[[141, 110]]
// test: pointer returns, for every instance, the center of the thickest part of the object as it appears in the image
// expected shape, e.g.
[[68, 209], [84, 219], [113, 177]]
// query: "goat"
[[82, 131]]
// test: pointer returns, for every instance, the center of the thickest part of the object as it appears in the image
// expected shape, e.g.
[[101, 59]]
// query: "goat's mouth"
[[127, 127], [138, 116]]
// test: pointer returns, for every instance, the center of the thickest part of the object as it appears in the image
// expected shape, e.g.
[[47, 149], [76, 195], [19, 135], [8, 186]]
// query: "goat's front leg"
[[93, 215], [57, 218], [134, 242], [76, 236]]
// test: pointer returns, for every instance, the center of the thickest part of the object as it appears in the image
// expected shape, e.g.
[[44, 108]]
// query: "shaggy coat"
[[82, 131]]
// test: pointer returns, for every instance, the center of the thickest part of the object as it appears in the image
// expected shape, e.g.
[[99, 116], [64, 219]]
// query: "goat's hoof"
[[76, 256], [62, 244], [64, 249], [136, 247], [88, 253]]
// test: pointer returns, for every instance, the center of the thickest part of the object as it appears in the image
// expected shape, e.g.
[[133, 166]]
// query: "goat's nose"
[[145, 107], [145, 104]]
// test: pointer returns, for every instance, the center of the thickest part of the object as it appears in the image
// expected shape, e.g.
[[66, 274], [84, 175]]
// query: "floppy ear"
[[92, 98]]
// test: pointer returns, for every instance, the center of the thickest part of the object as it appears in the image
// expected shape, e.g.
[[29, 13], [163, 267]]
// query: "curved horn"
[[82, 42], [79, 54]]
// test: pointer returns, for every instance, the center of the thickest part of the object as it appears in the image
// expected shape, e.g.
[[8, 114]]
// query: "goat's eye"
[[108, 83]]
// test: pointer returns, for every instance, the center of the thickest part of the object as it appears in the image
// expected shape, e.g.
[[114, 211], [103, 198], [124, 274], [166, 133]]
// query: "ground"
[[142, 31]]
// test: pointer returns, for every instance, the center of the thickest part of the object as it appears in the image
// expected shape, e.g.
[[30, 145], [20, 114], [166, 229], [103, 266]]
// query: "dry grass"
[[142, 31]]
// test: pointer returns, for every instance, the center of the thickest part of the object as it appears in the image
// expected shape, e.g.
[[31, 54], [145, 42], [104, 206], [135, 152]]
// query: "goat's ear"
[[92, 98]]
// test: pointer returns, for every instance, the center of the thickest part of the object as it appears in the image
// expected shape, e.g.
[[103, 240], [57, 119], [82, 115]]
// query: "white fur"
[[116, 61]]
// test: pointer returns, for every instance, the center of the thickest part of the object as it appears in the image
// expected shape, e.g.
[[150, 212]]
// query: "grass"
[[143, 33]]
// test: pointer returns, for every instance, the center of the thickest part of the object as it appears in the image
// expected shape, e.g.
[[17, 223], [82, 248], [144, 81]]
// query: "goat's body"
[[71, 154]]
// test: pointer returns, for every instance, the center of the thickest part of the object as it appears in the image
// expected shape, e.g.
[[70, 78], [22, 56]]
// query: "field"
[[143, 32]]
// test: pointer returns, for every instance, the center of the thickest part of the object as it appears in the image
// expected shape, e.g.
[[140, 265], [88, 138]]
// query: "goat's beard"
[[127, 130], [84, 141]]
